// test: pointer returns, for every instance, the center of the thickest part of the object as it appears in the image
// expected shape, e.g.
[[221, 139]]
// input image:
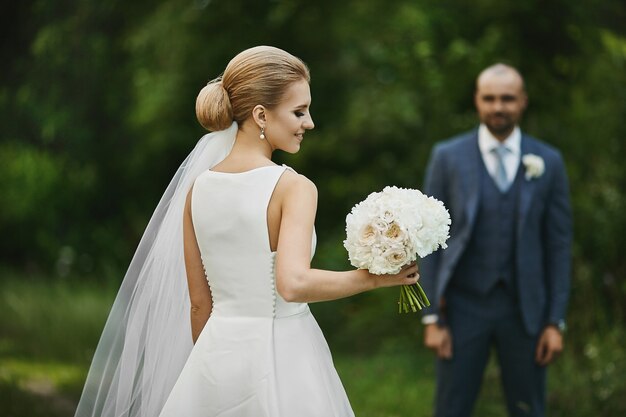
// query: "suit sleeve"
[[558, 233], [434, 185]]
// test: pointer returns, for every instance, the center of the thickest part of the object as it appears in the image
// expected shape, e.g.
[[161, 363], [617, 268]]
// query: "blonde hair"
[[259, 75]]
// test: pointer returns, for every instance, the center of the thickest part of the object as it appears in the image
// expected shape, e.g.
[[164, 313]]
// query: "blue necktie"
[[502, 181]]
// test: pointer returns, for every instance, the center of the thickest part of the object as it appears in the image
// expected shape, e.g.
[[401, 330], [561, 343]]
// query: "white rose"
[[395, 258], [380, 225], [394, 233], [367, 235], [387, 216]]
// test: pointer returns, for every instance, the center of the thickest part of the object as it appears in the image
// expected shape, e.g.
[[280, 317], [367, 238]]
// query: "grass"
[[388, 384], [48, 333], [398, 380], [49, 330]]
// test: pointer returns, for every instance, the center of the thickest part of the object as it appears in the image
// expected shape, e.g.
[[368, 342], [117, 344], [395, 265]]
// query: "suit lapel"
[[527, 187], [470, 166]]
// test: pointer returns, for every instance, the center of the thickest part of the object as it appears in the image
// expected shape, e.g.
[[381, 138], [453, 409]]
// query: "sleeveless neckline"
[[246, 172]]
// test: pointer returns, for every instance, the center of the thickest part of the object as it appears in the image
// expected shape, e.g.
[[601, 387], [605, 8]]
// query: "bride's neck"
[[248, 146]]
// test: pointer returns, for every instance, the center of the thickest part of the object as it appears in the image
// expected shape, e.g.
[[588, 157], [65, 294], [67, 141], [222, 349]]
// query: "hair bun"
[[213, 108]]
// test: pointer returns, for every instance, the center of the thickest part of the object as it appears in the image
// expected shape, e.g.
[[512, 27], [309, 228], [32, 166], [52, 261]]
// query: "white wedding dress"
[[258, 355]]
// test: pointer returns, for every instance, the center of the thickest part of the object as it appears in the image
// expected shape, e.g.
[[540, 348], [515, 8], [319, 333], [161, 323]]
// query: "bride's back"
[[229, 212]]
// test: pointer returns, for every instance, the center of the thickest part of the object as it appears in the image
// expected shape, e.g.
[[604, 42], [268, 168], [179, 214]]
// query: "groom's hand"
[[550, 345], [439, 340]]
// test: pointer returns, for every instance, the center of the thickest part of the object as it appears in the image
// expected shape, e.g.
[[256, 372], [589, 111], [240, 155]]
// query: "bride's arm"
[[296, 281], [199, 291]]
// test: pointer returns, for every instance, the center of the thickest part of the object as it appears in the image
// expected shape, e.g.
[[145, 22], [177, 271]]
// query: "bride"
[[236, 337]]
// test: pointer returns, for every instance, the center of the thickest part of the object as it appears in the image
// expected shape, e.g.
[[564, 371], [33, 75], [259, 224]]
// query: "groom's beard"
[[500, 124]]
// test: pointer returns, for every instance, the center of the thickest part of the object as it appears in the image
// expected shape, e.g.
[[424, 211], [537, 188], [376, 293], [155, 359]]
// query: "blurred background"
[[97, 112]]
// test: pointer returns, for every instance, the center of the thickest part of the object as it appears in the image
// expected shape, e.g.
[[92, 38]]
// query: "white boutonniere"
[[534, 166]]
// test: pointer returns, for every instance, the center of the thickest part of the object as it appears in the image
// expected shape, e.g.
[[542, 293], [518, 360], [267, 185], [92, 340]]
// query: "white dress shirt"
[[486, 143]]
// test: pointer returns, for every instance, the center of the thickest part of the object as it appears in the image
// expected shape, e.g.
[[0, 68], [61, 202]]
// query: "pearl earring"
[[262, 135]]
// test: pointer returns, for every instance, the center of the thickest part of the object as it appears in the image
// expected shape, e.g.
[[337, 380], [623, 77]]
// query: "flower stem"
[[422, 294], [412, 298]]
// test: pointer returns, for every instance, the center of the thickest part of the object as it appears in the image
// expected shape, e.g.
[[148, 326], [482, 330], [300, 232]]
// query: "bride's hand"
[[408, 275]]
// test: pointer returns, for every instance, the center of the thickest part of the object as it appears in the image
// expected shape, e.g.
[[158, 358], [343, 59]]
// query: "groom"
[[503, 281]]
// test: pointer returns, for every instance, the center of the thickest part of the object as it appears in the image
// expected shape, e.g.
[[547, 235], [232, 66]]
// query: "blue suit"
[[512, 312]]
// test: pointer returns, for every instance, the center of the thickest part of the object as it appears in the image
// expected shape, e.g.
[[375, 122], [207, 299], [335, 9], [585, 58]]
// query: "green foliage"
[[97, 103]]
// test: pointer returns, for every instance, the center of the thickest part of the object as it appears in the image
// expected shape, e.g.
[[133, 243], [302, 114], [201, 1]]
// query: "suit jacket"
[[543, 232]]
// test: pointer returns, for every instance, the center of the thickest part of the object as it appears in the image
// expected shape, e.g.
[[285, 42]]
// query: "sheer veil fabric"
[[147, 337]]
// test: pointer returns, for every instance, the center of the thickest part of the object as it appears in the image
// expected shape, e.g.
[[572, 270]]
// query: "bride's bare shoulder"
[[295, 185]]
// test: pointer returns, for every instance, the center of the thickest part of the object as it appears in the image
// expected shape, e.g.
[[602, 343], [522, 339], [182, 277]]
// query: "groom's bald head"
[[500, 70]]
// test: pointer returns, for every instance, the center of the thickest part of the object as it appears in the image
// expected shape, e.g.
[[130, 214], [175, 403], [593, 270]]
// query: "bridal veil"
[[147, 337]]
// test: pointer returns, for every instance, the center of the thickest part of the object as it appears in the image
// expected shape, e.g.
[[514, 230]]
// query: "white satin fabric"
[[258, 355]]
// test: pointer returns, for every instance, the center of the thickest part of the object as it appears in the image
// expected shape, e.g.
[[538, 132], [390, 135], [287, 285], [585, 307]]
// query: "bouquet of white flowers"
[[389, 229]]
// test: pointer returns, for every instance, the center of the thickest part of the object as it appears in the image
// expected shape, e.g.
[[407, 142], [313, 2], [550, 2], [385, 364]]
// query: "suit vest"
[[489, 257]]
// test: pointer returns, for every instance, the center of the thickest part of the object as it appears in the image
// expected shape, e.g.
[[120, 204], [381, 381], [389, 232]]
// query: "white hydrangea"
[[389, 229]]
